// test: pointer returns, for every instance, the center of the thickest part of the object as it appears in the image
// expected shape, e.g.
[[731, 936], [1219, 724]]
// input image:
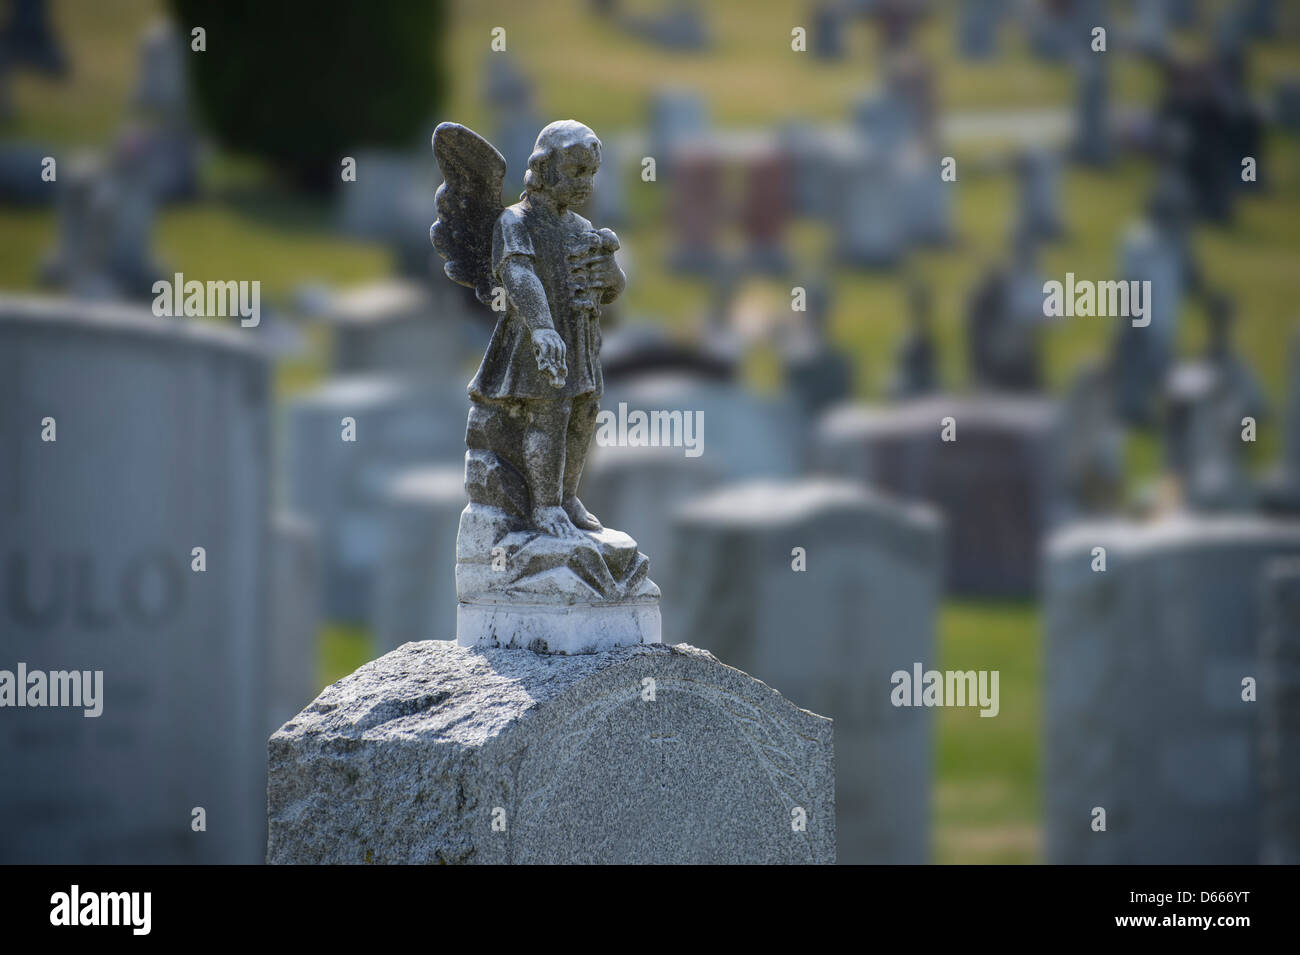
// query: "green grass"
[[987, 794]]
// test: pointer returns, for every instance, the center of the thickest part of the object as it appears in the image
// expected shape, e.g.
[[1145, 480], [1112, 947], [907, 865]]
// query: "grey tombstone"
[[742, 434], [1279, 702], [338, 484], [295, 617], [697, 210], [31, 40], [637, 489], [1090, 480], [868, 219], [160, 131], [828, 25], [416, 582], [678, 117], [1153, 250], [1093, 142], [161, 445], [916, 374], [928, 199], [993, 483], [1145, 663], [402, 327], [832, 634], [437, 753], [1038, 182], [1286, 103], [977, 28], [1280, 489], [105, 225], [391, 201]]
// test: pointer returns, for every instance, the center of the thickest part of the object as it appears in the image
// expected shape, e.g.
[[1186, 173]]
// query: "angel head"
[[563, 163]]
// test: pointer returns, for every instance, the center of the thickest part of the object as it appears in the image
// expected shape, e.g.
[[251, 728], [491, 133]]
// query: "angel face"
[[572, 174]]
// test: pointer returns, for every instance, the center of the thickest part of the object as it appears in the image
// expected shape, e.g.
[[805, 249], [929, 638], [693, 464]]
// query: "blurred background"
[[836, 221]]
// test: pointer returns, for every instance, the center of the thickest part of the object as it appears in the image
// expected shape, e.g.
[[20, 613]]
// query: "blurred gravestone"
[[828, 25], [1279, 701], [977, 28], [1092, 135], [816, 372], [868, 218], [765, 208], [864, 608], [916, 374], [1038, 182], [678, 117], [30, 39], [159, 444], [696, 210], [159, 133], [391, 201], [1281, 488], [338, 483], [416, 583], [105, 225], [1144, 693], [741, 434], [992, 483], [295, 617]]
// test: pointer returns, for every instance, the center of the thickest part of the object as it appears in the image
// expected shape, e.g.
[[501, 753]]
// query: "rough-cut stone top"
[[973, 410], [1176, 530], [453, 694]]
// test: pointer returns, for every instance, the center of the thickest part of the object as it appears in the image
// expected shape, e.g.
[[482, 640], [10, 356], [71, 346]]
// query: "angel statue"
[[546, 272]]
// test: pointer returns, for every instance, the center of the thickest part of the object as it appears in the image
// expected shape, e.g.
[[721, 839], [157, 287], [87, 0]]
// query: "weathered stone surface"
[[413, 757], [1143, 699]]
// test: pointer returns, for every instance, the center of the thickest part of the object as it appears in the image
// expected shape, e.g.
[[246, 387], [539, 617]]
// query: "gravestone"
[[1093, 143], [1286, 103], [1279, 696], [917, 374], [696, 210], [868, 217], [678, 117], [808, 150], [638, 489], [160, 445], [159, 132], [105, 225], [1091, 478], [742, 434], [338, 484], [828, 25], [817, 373], [402, 327], [978, 23], [765, 209], [391, 201], [295, 617], [681, 26], [1004, 317], [1155, 250], [927, 198], [1280, 489], [1038, 192], [416, 582], [1145, 663], [864, 608], [992, 484], [31, 40], [437, 753]]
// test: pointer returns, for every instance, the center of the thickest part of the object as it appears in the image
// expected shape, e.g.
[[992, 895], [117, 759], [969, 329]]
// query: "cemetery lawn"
[[986, 795]]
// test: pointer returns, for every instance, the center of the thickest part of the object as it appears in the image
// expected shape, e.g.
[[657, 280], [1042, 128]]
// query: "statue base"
[[574, 628]]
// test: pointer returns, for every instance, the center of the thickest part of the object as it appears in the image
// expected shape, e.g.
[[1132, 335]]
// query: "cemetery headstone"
[[1279, 695], [132, 441], [864, 608]]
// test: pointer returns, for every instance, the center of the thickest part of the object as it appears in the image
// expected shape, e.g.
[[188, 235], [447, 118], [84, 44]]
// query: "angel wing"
[[469, 202]]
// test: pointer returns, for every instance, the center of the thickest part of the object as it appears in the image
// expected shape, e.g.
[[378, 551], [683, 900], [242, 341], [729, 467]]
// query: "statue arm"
[[526, 293]]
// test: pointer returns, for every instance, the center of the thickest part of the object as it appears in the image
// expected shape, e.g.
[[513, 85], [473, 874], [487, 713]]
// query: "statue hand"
[[548, 351]]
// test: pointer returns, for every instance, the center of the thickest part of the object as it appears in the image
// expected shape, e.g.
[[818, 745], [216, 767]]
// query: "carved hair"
[[558, 135]]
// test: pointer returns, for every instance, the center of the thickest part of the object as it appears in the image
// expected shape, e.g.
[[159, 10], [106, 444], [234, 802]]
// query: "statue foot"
[[582, 518], [554, 521]]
